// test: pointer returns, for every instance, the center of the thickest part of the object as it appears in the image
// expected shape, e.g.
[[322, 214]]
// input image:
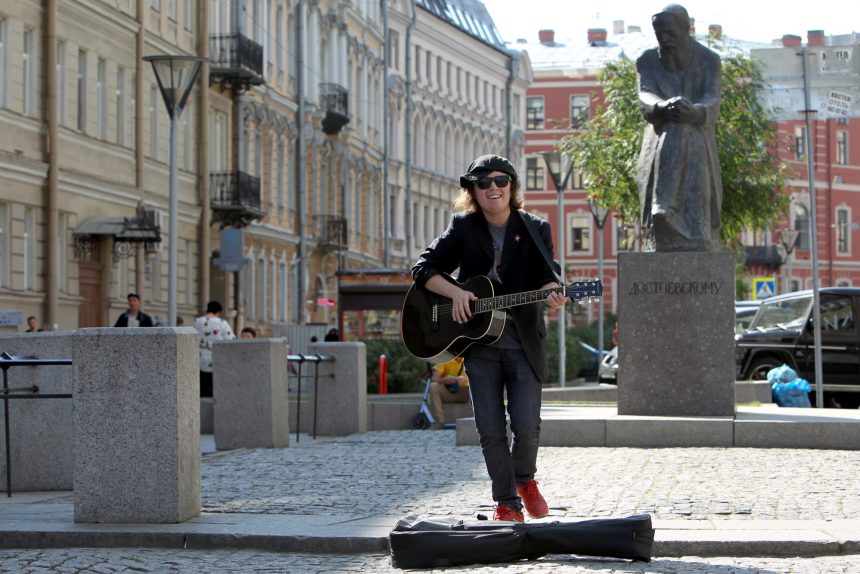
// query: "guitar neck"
[[487, 304]]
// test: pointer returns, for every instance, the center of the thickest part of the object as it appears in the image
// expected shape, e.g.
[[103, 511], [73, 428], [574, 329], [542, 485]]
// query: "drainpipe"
[[300, 160], [386, 200], [139, 256], [509, 103], [408, 158], [52, 285], [203, 151]]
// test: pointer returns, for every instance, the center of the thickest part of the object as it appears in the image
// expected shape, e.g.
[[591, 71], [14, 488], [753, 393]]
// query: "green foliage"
[[404, 370], [753, 177]]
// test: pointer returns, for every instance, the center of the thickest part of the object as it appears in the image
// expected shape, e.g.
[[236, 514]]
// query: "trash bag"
[[417, 543], [787, 389]]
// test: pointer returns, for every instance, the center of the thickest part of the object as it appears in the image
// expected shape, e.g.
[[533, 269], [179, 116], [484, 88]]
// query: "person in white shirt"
[[211, 328]]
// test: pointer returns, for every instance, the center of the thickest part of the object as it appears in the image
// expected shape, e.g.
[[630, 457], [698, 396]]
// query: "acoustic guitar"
[[430, 334]]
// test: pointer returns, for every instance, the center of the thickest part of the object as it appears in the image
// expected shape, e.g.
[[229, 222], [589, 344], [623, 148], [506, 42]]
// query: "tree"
[[753, 177]]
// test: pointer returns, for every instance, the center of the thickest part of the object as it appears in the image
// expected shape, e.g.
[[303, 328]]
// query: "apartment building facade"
[[286, 172]]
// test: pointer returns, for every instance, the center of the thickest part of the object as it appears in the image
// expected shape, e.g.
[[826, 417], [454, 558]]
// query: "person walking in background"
[[212, 328], [450, 385], [332, 336], [489, 235], [134, 317], [248, 333], [32, 325]]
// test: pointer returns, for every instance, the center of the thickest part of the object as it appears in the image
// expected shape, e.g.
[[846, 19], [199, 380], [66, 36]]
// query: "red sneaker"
[[505, 512], [532, 499]]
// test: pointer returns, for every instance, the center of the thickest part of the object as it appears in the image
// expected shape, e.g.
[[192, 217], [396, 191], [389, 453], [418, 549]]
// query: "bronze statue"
[[678, 176]]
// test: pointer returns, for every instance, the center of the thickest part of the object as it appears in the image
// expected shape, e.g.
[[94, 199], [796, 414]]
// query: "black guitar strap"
[[540, 245]]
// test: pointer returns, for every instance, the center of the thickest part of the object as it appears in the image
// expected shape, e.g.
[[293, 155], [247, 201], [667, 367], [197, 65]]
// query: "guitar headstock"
[[585, 290]]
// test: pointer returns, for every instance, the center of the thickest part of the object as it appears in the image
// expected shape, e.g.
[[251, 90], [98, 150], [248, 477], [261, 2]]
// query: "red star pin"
[[517, 238]]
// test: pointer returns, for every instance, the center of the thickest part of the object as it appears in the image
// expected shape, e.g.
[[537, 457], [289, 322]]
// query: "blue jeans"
[[491, 372]]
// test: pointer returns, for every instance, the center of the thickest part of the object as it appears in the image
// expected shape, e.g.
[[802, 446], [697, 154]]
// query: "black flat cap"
[[484, 165]]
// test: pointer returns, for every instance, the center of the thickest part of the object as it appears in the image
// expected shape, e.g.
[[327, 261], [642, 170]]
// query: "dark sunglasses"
[[499, 180]]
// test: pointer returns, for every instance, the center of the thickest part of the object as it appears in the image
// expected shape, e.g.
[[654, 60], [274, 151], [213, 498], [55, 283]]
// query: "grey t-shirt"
[[509, 338]]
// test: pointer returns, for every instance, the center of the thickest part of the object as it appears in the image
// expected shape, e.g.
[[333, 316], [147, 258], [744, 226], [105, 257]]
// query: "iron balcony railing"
[[766, 255], [236, 60], [235, 198], [334, 101], [330, 232]]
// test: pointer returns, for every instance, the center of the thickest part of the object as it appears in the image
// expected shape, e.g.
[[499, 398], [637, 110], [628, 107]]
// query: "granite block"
[[676, 334], [41, 431], [250, 392], [342, 392], [137, 425]]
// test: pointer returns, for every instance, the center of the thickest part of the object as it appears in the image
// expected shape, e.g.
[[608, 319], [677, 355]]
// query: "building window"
[[27, 62], [4, 245], [187, 138], [171, 9], [394, 50], [799, 142], [120, 106], [842, 148], [579, 111], [62, 250], [189, 15], [189, 272], [279, 43], [280, 174], [282, 291], [843, 230], [534, 174], [534, 113], [3, 62], [580, 232], [82, 91], [61, 82], [155, 4], [153, 122], [29, 248], [801, 225], [261, 285], [101, 97]]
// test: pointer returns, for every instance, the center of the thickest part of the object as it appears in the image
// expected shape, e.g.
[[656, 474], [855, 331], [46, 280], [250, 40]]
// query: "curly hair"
[[465, 201]]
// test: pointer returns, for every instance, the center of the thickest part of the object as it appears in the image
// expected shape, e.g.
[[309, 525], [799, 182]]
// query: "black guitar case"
[[417, 543]]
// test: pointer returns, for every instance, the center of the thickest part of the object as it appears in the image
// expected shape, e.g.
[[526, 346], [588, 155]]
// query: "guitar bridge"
[[434, 319]]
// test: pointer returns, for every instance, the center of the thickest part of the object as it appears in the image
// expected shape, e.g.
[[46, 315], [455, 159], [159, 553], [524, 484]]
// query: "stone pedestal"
[[251, 394], [137, 425], [342, 400], [41, 430], [676, 334]]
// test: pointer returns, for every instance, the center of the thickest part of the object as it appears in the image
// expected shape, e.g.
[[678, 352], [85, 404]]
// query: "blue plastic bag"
[[787, 389]]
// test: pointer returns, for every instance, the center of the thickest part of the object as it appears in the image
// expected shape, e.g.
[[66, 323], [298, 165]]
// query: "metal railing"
[[236, 56], [300, 360], [7, 361], [235, 198]]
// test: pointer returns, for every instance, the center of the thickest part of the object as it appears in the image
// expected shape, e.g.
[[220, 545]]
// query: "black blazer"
[[144, 320], [467, 244]]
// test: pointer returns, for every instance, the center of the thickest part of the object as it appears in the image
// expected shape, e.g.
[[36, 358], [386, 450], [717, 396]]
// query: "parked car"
[[744, 313], [782, 333], [609, 368]]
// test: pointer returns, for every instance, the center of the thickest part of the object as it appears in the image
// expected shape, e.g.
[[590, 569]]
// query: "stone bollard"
[[41, 430], [137, 425], [342, 400], [250, 393]]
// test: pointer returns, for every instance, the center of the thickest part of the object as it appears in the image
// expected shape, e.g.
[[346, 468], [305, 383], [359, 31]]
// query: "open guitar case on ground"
[[428, 543]]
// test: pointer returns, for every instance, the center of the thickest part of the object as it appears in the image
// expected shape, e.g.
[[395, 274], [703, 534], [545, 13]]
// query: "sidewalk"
[[344, 495]]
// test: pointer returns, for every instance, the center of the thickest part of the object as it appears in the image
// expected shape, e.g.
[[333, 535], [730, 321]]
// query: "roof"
[[580, 55], [122, 228], [470, 16]]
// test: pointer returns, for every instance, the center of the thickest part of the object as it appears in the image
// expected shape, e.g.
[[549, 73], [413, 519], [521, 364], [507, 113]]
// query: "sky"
[[750, 20]]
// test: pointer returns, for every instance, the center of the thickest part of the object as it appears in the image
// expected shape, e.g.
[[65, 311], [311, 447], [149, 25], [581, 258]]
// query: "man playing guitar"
[[488, 236]]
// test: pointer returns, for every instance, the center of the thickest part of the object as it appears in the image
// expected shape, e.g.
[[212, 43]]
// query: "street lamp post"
[[599, 213], [553, 165], [175, 76], [788, 239]]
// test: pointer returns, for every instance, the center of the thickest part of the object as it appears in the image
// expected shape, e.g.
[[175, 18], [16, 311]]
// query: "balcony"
[[235, 198], [235, 61], [334, 101], [766, 255], [330, 232]]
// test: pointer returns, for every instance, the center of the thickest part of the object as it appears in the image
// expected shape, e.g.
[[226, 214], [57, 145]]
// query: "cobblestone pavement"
[[137, 560], [398, 472]]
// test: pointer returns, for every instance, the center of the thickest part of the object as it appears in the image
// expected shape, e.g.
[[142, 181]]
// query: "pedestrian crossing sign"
[[763, 287]]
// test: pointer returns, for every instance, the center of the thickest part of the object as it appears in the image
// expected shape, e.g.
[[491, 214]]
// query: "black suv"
[[782, 332]]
